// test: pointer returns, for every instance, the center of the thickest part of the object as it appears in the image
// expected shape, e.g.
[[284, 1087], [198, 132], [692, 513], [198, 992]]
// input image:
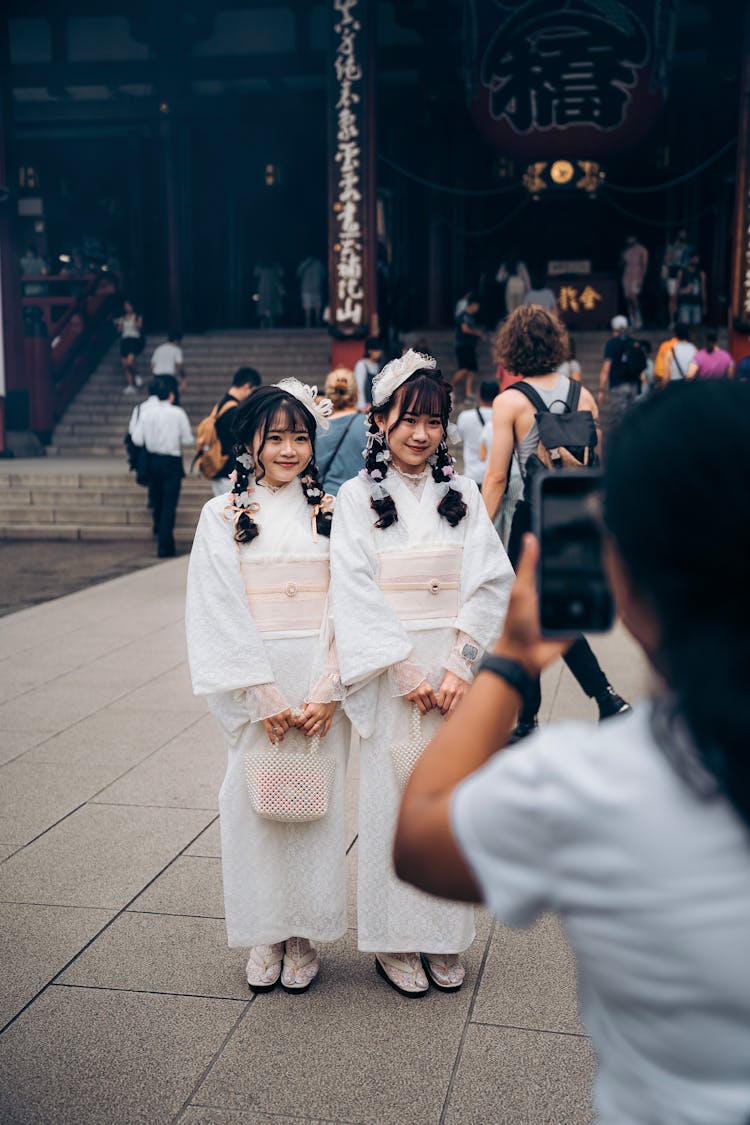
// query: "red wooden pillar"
[[11, 323], [352, 233], [739, 319]]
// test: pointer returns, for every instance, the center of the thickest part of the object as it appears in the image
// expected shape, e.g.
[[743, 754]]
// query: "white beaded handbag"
[[405, 755], [292, 786]]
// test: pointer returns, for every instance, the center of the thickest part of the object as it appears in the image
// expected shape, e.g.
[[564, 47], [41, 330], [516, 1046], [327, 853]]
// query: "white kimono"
[[280, 880], [384, 650]]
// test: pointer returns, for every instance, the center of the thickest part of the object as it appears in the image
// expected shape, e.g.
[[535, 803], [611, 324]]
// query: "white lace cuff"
[[262, 701], [328, 687], [404, 677], [464, 657]]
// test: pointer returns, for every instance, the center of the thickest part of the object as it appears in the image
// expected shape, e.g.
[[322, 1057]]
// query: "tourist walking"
[[468, 335], [219, 450], [533, 343], [691, 293], [339, 450], [634, 260], [470, 425], [365, 370], [167, 359], [419, 581], [130, 327], [682, 353], [164, 429], [311, 274], [711, 361], [636, 833], [259, 649], [517, 285], [676, 257], [620, 375]]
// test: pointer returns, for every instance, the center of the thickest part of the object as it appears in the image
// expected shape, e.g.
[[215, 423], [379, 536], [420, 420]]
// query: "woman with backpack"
[[533, 343], [339, 449], [418, 587], [260, 649], [636, 833]]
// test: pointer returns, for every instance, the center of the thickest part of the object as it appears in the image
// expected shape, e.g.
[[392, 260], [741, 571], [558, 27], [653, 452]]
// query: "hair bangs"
[[424, 394]]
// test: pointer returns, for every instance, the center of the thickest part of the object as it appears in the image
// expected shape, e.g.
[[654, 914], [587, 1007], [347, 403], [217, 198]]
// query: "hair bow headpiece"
[[320, 408], [397, 372]]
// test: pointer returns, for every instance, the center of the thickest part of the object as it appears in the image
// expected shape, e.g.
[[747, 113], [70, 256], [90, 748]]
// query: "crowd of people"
[[345, 578]]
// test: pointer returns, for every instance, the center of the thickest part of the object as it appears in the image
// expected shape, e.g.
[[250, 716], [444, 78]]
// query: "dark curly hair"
[[271, 408], [424, 392], [532, 341]]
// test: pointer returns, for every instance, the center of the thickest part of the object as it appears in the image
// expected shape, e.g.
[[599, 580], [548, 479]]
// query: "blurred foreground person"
[[635, 832]]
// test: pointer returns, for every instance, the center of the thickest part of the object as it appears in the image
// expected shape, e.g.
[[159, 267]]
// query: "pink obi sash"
[[286, 597], [422, 584]]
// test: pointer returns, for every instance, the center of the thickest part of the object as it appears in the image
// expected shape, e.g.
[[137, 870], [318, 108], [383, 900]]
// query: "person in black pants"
[[533, 342], [164, 430]]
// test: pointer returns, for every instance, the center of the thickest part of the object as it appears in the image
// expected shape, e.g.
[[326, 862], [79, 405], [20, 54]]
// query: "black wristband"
[[511, 671]]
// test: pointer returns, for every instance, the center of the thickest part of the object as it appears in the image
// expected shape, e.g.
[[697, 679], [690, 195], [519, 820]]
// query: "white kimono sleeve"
[[225, 649], [369, 636], [486, 580]]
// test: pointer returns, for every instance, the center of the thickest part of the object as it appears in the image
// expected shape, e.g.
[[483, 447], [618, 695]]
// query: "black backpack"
[[137, 456], [631, 363], [567, 440]]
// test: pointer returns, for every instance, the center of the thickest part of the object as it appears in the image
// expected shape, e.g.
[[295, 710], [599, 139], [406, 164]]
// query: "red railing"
[[68, 323]]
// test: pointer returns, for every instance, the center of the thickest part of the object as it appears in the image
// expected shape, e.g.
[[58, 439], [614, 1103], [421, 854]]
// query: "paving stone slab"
[[170, 689], [163, 953], [208, 843], [185, 773], [208, 1115], [511, 1077], [13, 743], [33, 797], [38, 941], [7, 850], [100, 856], [360, 1051], [530, 979], [191, 886], [104, 738], [86, 1057]]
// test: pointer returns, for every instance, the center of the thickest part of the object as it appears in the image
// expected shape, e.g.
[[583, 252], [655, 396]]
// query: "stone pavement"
[[119, 1000]]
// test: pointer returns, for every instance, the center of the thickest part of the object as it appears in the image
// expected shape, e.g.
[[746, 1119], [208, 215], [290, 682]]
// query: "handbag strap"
[[323, 471]]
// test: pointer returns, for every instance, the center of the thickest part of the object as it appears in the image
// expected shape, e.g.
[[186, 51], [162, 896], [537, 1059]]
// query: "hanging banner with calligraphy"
[[568, 77], [351, 191]]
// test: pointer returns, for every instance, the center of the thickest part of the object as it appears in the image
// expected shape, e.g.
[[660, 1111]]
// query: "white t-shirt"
[[163, 428], [652, 883], [167, 358], [470, 428], [682, 354]]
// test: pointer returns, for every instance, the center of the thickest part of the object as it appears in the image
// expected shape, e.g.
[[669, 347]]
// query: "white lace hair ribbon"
[[320, 408], [397, 372]]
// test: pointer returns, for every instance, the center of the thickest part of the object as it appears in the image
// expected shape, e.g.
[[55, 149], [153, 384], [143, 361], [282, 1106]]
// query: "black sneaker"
[[610, 703], [522, 730]]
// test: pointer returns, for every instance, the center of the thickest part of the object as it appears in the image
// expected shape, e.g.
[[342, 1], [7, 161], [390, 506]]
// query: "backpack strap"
[[533, 396], [479, 416], [574, 395]]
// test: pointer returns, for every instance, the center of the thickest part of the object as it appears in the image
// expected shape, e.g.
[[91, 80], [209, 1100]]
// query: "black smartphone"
[[574, 595]]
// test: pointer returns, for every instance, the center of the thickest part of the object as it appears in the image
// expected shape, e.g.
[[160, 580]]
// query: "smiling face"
[[283, 451], [414, 423]]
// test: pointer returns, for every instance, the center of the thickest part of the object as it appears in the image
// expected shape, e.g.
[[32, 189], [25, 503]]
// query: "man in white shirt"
[[167, 358], [164, 429], [471, 423]]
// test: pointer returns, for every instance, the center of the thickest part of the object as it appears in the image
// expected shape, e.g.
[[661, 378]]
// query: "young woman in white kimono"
[[258, 648], [419, 588]]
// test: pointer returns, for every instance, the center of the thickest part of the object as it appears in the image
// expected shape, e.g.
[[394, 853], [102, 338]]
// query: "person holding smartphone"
[[533, 343], [638, 832]]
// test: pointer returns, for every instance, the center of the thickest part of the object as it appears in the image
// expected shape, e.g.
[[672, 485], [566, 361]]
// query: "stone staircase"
[[83, 489]]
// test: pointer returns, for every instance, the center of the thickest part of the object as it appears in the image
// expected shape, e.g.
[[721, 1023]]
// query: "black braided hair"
[[256, 414], [424, 392]]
